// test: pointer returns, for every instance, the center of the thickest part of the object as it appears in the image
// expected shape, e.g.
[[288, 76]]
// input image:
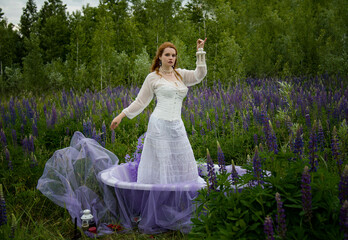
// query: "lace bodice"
[[169, 96]]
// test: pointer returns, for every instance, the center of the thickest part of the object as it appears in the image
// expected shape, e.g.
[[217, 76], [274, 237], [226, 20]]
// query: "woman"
[[167, 155]]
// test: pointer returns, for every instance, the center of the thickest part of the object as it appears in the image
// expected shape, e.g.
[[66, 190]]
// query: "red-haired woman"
[[167, 156]]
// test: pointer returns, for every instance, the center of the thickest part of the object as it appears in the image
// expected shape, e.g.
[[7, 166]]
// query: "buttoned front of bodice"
[[169, 101]]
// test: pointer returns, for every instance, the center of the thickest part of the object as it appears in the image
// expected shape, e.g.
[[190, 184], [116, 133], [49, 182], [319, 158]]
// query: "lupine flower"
[[344, 219], [234, 174], [313, 148], [12, 111], [221, 159], [31, 146], [281, 225], [268, 228], [257, 167], [3, 214], [320, 137], [208, 122], [8, 158], [211, 172], [113, 137], [90, 128], [202, 132], [308, 120], [306, 193], [343, 186], [103, 134], [3, 138], [53, 116], [25, 145], [335, 149], [271, 138], [192, 118], [108, 106], [298, 145], [255, 139]]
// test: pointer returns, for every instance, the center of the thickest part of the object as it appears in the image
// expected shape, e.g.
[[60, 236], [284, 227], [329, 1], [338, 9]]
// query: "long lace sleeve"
[[143, 99], [192, 77]]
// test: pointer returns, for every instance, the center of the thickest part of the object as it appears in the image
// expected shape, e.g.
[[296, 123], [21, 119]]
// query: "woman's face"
[[168, 57]]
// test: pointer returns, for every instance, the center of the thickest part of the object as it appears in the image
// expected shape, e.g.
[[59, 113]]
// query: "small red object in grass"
[[92, 230], [115, 227]]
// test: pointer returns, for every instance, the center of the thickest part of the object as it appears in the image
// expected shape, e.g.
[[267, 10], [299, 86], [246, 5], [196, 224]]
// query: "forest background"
[[113, 44]]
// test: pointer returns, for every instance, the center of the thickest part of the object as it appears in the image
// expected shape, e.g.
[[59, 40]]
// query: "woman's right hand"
[[117, 120]]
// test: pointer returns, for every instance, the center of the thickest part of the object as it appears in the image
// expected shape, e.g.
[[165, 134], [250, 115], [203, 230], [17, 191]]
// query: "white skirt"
[[167, 156]]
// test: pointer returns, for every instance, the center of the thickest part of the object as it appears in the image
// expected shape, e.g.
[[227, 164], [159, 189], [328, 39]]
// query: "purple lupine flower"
[[255, 139], [308, 120], [67, 131], [3, 214], [85, 130], [103, 134], [211, 172], [12, 111], [108, 106], [298, 145], [343, 186], [257, 167], [234, 174], [90, 128], [268, 228], [3, 138], [31, 147], [53, 116], [306, 193], [208, 122], [271, 139], [45, 109], [221, 159], [94, 134], [313, 148], [344, 219], [202, 132], [140, 146], [25, 145], [320, 137], [192, 118], [64, 98], [14, 137], [335, 149], [8, 158], [281, 225], [113, 136]]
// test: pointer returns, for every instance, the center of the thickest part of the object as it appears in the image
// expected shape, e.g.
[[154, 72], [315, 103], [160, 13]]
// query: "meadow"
[[296, 128]]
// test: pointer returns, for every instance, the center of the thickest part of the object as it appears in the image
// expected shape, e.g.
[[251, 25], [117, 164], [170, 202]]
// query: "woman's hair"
[[156, 61]]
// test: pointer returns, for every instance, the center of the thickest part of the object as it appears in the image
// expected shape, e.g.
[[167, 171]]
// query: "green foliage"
[[227, 214], [245, 39]]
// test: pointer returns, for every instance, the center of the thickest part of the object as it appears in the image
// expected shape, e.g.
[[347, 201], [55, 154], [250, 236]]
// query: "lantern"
[[86, 219], [200, 57]]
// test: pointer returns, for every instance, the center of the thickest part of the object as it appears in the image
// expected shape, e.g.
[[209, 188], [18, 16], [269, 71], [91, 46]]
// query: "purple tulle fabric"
[[70, 179], [88, 176]]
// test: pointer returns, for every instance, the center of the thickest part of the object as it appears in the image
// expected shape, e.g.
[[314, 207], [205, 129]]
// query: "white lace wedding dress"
[[167, 156]]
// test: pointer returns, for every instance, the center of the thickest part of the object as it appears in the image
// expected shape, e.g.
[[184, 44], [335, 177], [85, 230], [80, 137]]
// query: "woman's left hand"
[[200, 43]]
